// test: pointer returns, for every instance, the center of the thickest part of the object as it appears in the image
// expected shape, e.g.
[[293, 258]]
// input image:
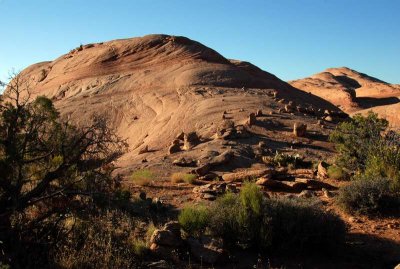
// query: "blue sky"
[[291, 39]]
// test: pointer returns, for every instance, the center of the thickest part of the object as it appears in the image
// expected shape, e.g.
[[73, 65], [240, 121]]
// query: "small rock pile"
[[206, 249], [164, 241], [212, 190], [296, 180], [235, 132]]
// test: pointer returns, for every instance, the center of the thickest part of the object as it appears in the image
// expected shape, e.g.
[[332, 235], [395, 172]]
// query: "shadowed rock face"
[[156, 86]]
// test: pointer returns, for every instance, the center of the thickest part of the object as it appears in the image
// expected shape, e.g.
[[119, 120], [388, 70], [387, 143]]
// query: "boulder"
[[299, 129], [174, 227], [175, 147], [190, 140], [142, 195], [204, 189], [208, 177], [223, 158], [310, 110], [202, 169], [289, 108], [259, 113], [212, 190], [306, 194], [247, 174], [208, 196], [301, 109], [207, 249], [184, 163], [161, 251], [251, 120], [315, 184], [293, 185], [262, 145], [166, 238], [326, 193], [322, 171], [268, 182], [180, 136], [143, 150], [328, 119]]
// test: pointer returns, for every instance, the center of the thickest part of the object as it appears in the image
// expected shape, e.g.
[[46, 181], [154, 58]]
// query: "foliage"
[[194, 219], [142, 177], [122, 195], [250, 216], [355, 138], [50, 170], [150, 230], [384, 160], [367, 196], [98, 240], [225, 224], [140, 247], [286, 160], [278, 224], [336, 172], [301, 224], [374, 158], [183, 177]]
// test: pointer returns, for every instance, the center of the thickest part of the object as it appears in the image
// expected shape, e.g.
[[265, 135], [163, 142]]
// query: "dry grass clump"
[[143, 177], [183, 178]]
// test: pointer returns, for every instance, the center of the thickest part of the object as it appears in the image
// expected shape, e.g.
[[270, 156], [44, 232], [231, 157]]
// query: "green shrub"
[[122, 195], [251, 198], [384, 161], [336, 172], [356, 138], [143, 177], [223, 221], [250, 215], [194, 219], [250, 220], [367, 196], [298, 224], [183, 177]]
